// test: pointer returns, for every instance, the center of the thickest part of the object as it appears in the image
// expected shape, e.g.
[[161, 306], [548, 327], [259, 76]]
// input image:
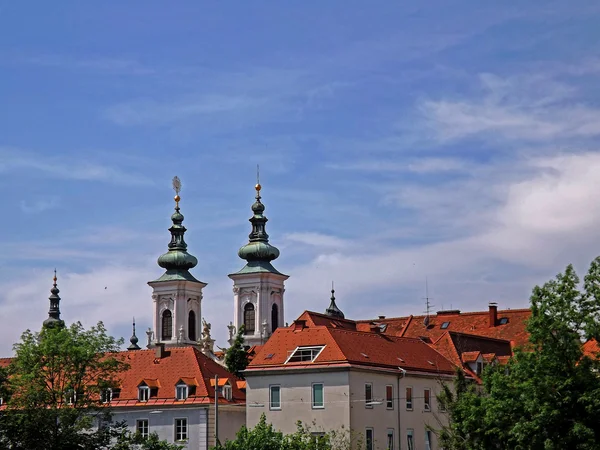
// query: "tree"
[[236, 357], [264, 437], [548, 396], [53, 390]]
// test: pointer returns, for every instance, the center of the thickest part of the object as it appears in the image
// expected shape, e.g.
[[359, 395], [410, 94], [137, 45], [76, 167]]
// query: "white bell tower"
[[258, 287], [176, 295]]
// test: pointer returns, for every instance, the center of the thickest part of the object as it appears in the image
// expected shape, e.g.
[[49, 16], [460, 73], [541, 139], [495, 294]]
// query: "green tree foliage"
[[264, 437], [52, 391], [548, 396], [236, 357]]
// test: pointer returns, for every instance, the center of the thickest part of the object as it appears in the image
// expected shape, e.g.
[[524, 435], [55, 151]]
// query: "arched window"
[[192, 326], [167, 325], [274, 317], [249, 318]]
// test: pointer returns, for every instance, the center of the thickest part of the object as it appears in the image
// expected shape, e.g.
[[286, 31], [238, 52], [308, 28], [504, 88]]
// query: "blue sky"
[[451, 140]]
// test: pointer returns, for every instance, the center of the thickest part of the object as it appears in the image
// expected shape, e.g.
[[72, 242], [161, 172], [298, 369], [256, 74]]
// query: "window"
[[427, 440], [181, 391], [249, 319], [368, 395], [192, 326], [479, 368], [274, 397], [409, 405], [167, 325], [369, 438], [181, 430], [70, 397], [445, 325], [274, 317], [389, 396], [390, 439], [308, 354], [427, 399], [410, 443], [227, 392], [503, 321], [141, 426], [106, 395], [143, 393], [317, 396]]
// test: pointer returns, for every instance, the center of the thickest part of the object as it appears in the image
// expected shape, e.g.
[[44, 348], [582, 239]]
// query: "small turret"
[[133, 339], [53, 319], [333, 310]]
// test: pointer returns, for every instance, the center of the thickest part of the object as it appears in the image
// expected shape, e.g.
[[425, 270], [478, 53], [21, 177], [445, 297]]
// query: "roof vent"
[[365, 355], [400, 359], [299, 324], [381, 317], [448, 312], [430, 363]]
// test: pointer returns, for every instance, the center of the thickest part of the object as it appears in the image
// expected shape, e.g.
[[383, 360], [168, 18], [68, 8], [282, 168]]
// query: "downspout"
[[401, 375]]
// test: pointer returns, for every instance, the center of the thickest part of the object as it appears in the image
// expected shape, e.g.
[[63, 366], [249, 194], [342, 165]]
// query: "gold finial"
[[258, 187], [177, 189], [54, 279]]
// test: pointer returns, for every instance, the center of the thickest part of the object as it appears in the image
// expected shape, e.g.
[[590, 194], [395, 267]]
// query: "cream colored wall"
[[345, 404], [231, 419], [377, 417], [296, 400], [418, 418]]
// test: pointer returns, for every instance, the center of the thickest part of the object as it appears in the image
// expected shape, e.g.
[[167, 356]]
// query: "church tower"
[[258, 287], [177, 295], [54, 319]]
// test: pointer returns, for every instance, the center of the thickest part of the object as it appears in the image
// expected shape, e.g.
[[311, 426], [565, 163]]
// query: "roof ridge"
[[478, 336]]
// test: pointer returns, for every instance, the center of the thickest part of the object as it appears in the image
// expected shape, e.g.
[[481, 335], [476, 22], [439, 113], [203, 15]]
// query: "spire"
[[133, 339], [258, 252], [177, 261], [333, 310], [53, 319]]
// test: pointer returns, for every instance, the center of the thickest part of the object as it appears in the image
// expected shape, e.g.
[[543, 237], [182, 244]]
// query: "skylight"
[[400, 359], [430, 363], [445, 325], [365, 355], [269, 356], [306, 354], [503, 321]]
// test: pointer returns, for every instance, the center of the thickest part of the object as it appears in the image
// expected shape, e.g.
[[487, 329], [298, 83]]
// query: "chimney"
[[381, 317], [375, 329], [493, 314], [160, 350], [299, 325]]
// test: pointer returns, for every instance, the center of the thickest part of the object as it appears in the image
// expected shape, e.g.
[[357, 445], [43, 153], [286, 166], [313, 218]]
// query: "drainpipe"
[[401, 375]]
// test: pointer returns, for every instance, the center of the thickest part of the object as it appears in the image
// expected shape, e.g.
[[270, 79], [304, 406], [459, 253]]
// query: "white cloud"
[[68, 168], [39, 205], [531, 108]]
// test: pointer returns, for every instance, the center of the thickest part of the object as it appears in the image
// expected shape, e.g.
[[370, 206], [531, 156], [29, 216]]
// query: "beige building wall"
[[296, 400], [345, 408], [231, 419]]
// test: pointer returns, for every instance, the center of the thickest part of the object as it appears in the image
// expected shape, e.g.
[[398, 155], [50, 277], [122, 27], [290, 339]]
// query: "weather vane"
[[257, 187], [177, 189]]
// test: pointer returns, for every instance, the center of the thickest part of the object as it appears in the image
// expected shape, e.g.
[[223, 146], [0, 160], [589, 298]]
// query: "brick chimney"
[[159, 350], [299, 325], [493, 314]]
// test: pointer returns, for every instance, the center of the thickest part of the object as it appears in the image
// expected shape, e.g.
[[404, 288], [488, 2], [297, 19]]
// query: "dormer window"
[[306, 354], [227, 392], [143, 393], [181, 391], [106, 395]]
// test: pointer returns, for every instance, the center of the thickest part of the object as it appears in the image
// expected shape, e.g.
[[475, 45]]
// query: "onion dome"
[[133, 339], [333, 310], [258, 252], [53, 319], [177, 261]]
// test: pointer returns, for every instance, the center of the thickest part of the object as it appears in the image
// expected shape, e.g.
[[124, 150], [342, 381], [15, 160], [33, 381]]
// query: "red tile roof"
[[185, 364], [5, 362], [343, 346], [467, 357], [591, 348], [473, 323]]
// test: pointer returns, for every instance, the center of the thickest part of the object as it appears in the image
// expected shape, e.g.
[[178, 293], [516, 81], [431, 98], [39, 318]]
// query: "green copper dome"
[[177, 261], [258, 252]]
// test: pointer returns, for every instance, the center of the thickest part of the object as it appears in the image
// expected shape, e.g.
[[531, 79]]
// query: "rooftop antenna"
[[428, 305]]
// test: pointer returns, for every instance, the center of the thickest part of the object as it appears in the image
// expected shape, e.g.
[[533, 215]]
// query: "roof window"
[[270, 355], [365, 355], [445, 325], [503, 321], [305, 354], [400, 359]]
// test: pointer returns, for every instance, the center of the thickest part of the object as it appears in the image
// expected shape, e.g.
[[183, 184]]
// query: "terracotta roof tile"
[[352, 347], [591, 348], [469, 356]]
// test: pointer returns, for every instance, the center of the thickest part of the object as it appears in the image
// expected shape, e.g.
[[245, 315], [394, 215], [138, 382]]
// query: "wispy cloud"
[[115, 66], [15, 160], [39, 205], [531, 108], [417, 165]]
